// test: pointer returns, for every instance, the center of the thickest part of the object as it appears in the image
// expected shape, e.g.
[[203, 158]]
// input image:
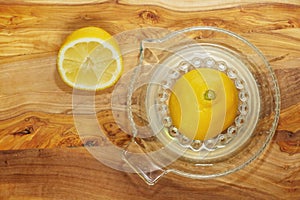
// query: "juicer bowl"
[[161, 147]]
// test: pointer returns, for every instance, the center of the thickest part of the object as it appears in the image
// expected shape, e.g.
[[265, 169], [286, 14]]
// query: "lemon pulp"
[[203, 103]]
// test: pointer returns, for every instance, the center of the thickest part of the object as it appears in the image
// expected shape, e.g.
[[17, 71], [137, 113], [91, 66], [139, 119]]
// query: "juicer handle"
[[142, 163]]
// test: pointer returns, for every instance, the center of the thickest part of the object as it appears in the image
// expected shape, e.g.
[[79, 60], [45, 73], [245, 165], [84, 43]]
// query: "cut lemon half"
[[203, 103], [90, 59]]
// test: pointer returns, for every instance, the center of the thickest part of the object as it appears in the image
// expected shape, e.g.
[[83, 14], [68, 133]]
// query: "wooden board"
[[42, 156]]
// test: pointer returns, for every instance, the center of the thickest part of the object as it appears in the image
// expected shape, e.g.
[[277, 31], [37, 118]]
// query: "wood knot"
[[85, 17], [28, 126], [25, 131], [198, 35], [15, 20], [111, 128], [94, 141], [288, 141], [70, 141], [6, 162], [149, 17], [213, 21]]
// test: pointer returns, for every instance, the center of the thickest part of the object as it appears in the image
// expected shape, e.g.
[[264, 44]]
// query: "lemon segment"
[[90, 59], [203, 103]]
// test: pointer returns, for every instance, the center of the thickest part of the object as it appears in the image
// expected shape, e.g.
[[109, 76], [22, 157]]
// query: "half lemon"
[[203, 103], [90, 59]]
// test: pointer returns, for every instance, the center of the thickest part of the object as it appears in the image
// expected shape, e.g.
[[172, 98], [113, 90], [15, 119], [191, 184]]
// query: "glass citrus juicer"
[[140, 106]]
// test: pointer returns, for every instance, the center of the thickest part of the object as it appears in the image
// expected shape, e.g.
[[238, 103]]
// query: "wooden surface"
[[41, 154]]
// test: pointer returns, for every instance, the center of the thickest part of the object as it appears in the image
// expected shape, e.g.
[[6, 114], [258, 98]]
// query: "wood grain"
[[187, 5], [75, 174], [30, 22], [34, 64], [44, 157], [194, 5], [51, 2]]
